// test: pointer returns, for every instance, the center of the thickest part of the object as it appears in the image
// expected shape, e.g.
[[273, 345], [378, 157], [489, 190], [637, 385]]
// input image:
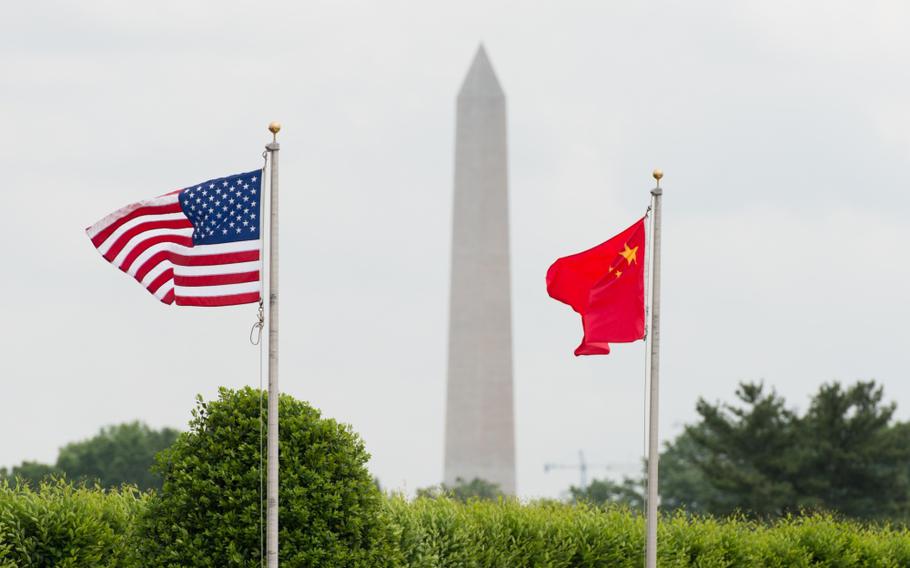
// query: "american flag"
[[197, 246]]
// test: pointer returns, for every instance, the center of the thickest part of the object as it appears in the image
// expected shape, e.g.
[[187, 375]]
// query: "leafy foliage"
[[746, 453], [628, 493], [68, 526], [463, 491], [854, 460], [58, 524], [760, 458], [845, 454], [117, 455], [208, 512], [682, 483], [480, 534], [29, 472]]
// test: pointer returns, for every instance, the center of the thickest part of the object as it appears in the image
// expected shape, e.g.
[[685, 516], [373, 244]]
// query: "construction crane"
[[582, 466]]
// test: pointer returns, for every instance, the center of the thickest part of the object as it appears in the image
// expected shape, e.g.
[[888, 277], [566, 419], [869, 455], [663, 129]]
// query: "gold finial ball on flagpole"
[[657, 174], [274, 127]]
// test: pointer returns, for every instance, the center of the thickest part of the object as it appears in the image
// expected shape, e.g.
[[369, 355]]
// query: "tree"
[[853, 459], [747, 453], [117, 455], [29, 472], [682, 483], [208, 512], [603, 491], [844, 454], [464, 491]]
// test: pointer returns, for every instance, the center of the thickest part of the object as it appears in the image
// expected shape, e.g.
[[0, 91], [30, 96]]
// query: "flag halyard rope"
[[259, 326], [647, 381]]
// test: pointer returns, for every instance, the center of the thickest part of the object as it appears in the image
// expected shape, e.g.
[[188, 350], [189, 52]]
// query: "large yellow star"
[[629, 254]]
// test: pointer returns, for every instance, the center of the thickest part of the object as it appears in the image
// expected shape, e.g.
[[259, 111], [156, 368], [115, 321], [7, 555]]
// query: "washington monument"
[[480, 426]]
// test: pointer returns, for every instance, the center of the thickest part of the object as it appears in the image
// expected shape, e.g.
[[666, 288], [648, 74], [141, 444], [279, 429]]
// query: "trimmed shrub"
[[208, 512], [67, 526], [441, 532], [482, 534]]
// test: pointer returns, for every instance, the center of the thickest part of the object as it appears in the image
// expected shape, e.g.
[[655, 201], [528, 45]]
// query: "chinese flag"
[[606, 285]]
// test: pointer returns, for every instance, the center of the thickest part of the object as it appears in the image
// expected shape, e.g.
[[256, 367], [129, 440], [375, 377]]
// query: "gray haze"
[[783, 129]]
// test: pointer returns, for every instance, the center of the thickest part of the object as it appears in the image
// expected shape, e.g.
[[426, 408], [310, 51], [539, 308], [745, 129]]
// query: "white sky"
[[783, 129]]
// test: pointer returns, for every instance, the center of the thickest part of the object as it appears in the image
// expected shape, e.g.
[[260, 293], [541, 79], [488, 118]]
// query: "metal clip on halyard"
[[256, 330]]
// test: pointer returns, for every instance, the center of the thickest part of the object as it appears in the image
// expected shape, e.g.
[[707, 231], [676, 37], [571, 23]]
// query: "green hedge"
[[60, 525], [444, 533]]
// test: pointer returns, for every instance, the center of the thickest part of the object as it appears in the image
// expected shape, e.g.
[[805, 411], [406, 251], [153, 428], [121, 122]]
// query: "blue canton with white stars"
[[224, 210]]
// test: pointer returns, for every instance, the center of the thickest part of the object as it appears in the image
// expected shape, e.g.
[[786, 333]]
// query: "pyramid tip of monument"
[[481, 80]]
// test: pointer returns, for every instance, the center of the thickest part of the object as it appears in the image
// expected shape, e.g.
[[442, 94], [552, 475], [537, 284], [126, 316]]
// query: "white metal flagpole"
[[272, 469], [654, 331]]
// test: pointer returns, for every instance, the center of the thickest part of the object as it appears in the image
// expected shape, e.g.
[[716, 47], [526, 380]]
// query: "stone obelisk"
[[480, 426]]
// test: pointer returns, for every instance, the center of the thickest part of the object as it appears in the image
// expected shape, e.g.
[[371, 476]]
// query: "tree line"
[[759, 457], [118, 454], [756, 456]]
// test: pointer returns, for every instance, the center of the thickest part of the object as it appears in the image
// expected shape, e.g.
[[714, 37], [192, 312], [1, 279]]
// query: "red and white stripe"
[[152, 241]]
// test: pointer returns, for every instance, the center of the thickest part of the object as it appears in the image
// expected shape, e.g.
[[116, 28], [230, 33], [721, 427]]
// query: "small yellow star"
[[629, 254], [618, 273]]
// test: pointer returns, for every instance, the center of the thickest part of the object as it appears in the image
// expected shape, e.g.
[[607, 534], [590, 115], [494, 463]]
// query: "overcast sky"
[[783, 129]]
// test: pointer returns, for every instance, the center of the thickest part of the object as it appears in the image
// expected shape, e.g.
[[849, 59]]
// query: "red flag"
[[606, 285]]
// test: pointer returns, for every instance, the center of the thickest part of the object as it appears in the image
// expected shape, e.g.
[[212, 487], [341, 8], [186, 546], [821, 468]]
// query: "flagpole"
[[654, 331], [272, 443]]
